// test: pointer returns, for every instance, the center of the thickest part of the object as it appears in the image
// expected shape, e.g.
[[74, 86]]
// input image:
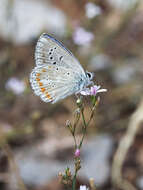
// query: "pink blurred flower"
[[82, 37], [15, 85], [92, 10], [77, 153], [92, 91]]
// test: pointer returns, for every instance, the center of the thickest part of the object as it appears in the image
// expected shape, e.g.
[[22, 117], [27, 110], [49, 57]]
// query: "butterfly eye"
[[89, 75]]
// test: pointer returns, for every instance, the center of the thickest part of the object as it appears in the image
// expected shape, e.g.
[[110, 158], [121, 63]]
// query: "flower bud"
[[79, 102], [77, 153]]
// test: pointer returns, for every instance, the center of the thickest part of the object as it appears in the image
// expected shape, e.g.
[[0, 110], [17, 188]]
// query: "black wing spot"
[[54, 63], [51, 57], [51, 49], [55, 48], [68, 73], [61, 58], [50, 53], [59, 43], [57, 69]]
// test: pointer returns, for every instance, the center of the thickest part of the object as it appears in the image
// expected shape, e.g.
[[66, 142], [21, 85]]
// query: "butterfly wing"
[[52, 84], [57, 73], [51, 51]]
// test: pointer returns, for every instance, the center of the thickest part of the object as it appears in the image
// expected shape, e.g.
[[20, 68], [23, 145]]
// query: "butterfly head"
[[89, 77]]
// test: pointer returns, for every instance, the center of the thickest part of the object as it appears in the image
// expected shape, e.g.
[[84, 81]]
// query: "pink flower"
[[77, 153], [15, 85], [92, 91], [92, 10], [82, 37]]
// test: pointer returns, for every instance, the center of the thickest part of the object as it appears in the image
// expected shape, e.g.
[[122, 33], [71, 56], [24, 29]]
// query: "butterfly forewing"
[[51, 51]]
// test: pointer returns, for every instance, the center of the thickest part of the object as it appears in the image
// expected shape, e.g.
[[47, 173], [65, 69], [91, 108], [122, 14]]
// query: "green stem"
[[83, 118], [91, 115], [75, 144], [74, 181], [74, 129], [82, 138], [86, 124], [76, 123], [84, 128]]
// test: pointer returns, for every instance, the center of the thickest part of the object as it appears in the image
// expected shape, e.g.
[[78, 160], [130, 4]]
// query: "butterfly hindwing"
[[52, 84]]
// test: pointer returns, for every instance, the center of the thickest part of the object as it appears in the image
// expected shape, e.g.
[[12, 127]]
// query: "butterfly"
[[57, 73]]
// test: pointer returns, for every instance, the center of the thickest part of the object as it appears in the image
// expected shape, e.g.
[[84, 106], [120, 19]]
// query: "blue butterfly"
[[58, 73]]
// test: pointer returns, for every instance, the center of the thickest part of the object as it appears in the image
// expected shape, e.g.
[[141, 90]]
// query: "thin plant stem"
[[76, 123], [84, 128], [91, 115], [75, 143], [83, 118], [72, 129], [84, 132], [74, 181]]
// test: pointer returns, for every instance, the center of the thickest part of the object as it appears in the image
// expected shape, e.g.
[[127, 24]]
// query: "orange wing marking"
[[43, 70], [43, 89], [37, 79], [38, 74], [48, 95], [40, 84]]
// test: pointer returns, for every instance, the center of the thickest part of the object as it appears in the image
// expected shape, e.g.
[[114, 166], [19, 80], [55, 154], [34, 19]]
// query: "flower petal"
[[92, 91], [102, 90], [85, 92]]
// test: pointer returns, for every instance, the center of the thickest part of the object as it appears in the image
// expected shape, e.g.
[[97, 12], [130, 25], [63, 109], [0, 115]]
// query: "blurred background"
[[107, 38]]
